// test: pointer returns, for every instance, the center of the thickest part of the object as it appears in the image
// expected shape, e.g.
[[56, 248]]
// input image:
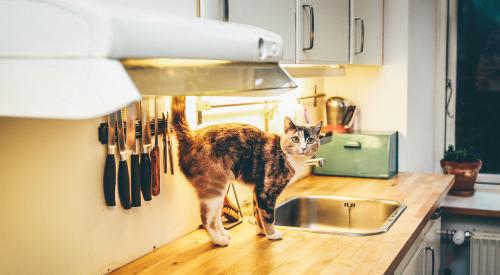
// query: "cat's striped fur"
[[213, 156]]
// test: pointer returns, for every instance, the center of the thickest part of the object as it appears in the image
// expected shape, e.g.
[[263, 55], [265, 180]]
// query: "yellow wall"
[[52, 212]]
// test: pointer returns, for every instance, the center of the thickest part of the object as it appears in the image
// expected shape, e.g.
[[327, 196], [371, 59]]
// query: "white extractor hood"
[[82, 59]]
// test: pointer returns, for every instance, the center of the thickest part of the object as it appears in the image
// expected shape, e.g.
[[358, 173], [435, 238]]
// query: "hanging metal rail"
[[206, 106]]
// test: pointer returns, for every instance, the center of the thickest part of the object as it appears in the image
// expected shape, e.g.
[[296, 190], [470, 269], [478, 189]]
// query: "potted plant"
[[465, 166]]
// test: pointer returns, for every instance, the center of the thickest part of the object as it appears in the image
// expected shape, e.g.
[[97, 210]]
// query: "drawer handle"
[[352, 145], [431, 249]]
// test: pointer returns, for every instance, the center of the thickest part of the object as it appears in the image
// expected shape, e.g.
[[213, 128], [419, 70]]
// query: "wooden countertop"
[[305, 252], [484, 203]]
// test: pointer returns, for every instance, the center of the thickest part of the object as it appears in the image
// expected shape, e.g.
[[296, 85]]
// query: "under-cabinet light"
[[171, 62], [315, 66], [311, 70]]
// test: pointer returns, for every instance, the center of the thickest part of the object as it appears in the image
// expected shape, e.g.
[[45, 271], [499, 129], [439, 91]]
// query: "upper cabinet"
[[367, 31], [313, 31], [277, 16], [323, 31]]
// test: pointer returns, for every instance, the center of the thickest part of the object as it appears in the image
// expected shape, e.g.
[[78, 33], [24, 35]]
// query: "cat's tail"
[[179, 121]]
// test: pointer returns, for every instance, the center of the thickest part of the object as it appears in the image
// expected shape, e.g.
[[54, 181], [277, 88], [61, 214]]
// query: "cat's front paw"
[[225, 233], [277, 235], [222, 241]]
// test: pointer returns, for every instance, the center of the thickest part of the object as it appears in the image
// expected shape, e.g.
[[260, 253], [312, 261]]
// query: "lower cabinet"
[[423, 256], [417, 262], [432, 241]]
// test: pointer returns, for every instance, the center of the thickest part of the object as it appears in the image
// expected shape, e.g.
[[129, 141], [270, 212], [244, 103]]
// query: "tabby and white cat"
[[213, 156]]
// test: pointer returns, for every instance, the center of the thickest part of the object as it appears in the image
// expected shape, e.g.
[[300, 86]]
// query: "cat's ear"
[[317, 127], [289, 125]]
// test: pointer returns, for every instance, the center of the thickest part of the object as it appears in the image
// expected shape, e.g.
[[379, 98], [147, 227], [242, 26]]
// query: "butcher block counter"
[[306, 252]]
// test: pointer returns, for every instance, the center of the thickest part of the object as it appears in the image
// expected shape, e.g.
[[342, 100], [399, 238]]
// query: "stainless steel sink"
[[339, 215]]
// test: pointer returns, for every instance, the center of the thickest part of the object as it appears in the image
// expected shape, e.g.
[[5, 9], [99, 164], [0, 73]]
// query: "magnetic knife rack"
[[103, 129]]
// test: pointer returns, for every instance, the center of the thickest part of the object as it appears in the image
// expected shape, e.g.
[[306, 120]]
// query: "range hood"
[[83, 59]]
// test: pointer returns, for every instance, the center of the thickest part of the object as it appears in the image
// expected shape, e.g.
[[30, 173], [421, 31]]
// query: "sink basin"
[[339, 215]]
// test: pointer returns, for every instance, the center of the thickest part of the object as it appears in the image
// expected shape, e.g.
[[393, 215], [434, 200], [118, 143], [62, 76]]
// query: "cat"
[[211, 157]]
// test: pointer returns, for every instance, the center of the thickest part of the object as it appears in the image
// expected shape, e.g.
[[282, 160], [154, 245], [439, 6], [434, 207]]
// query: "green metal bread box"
[[359, 154]]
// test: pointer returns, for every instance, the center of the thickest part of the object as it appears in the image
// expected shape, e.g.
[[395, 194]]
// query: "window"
[[477, 65]]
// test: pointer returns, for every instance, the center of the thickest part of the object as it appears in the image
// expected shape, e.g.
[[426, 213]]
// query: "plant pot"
[[465, 176]]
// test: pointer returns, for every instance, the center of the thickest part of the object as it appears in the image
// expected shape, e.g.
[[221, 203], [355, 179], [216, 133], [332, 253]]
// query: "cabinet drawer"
[[359, 155]]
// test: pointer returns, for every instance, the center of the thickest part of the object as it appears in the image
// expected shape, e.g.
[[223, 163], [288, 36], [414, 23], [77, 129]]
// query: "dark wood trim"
[[472, 212]]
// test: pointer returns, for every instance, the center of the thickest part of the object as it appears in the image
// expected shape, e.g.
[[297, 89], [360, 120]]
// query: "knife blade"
[[155, 157], [146, 144], [109, 177], [164, 139], [123, 178], [133, 145], [169, 142]]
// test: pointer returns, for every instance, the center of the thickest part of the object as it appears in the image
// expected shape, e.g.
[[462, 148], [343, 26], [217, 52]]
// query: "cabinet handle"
[[431, 249], [352, 145], [225, 10], [311, 30], [362, 35]]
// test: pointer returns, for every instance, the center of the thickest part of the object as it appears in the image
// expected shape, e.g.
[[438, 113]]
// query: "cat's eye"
[[310, 141], [295, 139]]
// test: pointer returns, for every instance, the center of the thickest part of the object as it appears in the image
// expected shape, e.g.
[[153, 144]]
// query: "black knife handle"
[[165, 164], [136, 180], [146, 176], [124, 184], [170, 157], [109, 180]]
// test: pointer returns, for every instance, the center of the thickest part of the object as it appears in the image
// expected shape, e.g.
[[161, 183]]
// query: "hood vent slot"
[[165, 77]]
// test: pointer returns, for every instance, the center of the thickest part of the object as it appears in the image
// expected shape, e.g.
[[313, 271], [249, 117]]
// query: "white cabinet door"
[[323, 31], [277, 16], [367, 31], [416, 264], [432, 242], [418, 260]]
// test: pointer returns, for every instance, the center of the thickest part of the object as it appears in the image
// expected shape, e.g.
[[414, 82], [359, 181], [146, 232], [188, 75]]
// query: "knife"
[[123, 178], [109, 178], [164, 139], [155, 158], [169, 142], [146, 143], [134, 145]]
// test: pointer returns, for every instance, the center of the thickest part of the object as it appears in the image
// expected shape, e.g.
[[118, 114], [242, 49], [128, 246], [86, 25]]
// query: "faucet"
[[318, 162]]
